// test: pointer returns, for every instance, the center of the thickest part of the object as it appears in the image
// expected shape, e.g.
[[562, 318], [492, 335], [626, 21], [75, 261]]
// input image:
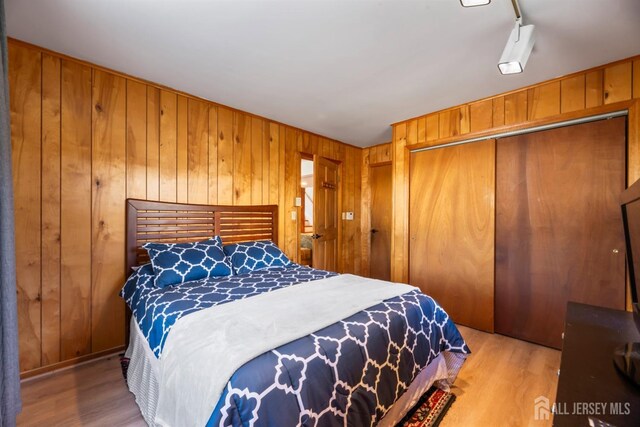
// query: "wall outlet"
[[294, 215], [298, 201], [349, 216]]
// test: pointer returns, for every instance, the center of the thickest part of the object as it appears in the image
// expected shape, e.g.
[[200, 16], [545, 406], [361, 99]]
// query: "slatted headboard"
[[149, 221]]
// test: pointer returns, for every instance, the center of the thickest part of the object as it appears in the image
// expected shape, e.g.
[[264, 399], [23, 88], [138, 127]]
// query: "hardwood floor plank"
[[496, 386]]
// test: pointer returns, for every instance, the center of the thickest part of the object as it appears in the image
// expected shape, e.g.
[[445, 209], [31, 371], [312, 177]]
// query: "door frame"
[[314, 157], [365, 222]]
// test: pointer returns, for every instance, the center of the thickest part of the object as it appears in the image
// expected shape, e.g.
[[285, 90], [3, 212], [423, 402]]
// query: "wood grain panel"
[[543, 101], [153, 143], [198, 153], [594, 82], [633, 145], [75, 215], [636, 78], [241, 159], [266, 161], [283, 218], [25, 107], [136, 140], [433, 127], [449, 123], [213, 155], [292, 185], [274, 167], [365, 219], [348, 205], [617, 83], [464, 120], [379, 153], [399, 246], [422, 130], [168, 146], [108, 203], [412, 132], [481, 115], [182, 141], [446, 185], [51, 88], [515, 107], [257, 129], [572, 93], [355, 250], [498, 111], [558, 226], [225, 156]]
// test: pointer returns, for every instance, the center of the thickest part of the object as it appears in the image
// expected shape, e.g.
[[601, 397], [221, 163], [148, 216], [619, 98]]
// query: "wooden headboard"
[[165, 222]]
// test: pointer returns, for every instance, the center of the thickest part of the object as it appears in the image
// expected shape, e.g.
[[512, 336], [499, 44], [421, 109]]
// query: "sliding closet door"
[[559, 232], [452, 193]]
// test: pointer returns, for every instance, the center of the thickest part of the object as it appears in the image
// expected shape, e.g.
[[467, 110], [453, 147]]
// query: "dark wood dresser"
[[589, 382]]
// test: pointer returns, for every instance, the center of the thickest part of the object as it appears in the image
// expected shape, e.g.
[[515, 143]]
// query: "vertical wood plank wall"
[[85, 139], [606, 88]]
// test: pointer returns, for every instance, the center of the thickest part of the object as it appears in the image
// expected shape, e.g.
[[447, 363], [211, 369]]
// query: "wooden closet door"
[[559, 231], [451, 225]]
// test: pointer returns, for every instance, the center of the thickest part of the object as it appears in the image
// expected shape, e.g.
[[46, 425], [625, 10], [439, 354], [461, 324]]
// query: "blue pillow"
[[252, 256], [176, 263]]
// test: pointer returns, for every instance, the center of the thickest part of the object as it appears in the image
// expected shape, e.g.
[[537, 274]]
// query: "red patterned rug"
[[430, 409]]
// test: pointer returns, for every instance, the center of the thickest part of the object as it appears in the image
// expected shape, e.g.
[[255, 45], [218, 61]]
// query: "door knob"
[[374, 231], [615, 251], [316, 236]]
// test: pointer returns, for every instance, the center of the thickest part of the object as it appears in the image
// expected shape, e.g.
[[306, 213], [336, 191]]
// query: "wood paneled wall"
[[376, 155], [610, 87], [86, 138]]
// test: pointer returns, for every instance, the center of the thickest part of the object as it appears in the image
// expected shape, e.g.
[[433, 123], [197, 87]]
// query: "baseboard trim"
[[68, 364]]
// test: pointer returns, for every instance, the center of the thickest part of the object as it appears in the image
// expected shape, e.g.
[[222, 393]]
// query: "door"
[[451, 226], [559, 232], [325, 214], [380, 258]]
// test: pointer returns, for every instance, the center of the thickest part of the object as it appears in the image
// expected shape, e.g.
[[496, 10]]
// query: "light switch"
[[298, 201], [294, 215], [344, 215]]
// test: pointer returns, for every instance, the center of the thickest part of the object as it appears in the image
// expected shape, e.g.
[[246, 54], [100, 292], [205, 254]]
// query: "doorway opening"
[[306, 211]]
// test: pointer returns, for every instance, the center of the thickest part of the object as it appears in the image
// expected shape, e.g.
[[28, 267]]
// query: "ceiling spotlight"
[[473, 3], [516, 52]]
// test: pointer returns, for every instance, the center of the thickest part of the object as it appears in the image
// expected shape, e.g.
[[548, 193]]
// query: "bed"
[[281, 345]]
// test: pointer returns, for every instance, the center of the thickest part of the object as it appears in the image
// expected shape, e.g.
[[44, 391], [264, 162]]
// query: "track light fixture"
[[474, 3], [516, 52]]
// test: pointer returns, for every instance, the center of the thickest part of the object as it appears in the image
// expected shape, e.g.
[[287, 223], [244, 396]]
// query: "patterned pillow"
[[176, 263], [252, 256]]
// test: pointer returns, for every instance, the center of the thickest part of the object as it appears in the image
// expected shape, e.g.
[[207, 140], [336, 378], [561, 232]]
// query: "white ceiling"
[[345, 69]]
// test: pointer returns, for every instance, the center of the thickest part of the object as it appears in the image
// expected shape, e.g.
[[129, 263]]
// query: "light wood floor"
[[496, 387]]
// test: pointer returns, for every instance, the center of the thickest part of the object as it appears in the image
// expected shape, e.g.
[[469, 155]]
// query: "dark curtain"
[[9, 368]]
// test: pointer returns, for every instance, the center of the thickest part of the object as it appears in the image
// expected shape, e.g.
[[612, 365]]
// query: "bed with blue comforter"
[[349, 373]]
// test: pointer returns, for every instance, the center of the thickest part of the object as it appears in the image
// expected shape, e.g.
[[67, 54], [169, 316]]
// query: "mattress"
[[369, 367]]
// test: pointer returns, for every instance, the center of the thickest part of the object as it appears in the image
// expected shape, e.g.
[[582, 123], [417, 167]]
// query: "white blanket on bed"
[[205, 348]]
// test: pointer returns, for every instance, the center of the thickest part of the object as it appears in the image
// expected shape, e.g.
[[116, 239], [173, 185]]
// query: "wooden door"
[[325, 214], [380, 258], [451, 226], [558, 226]]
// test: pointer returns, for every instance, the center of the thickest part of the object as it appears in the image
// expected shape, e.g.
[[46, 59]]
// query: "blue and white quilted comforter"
[[349, 373]]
